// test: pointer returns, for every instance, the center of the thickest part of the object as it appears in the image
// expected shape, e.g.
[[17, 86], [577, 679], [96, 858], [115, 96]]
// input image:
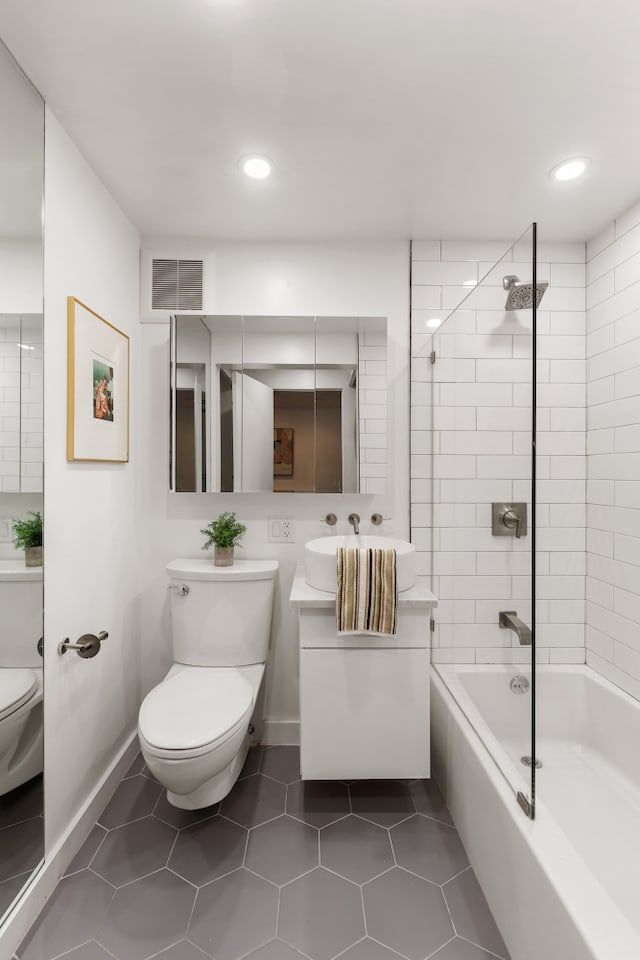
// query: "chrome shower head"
[[520, 295]]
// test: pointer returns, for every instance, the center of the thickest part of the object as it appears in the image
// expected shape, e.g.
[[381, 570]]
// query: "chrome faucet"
[[354, 520], [509, 620]]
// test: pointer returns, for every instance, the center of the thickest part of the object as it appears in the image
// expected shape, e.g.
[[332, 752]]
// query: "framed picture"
[[282, 452], [97, 387]]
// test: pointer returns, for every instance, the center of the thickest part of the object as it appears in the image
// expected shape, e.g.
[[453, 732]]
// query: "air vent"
[[176, 285]]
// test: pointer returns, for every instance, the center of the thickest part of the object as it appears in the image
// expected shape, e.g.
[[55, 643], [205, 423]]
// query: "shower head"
[[520, 295]]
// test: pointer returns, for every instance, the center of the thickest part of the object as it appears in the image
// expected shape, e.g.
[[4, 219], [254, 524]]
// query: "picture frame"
[[283, 451], [98, 387]]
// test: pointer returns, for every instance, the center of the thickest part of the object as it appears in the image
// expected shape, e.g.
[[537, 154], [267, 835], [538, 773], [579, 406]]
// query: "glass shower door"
[[474, 371]]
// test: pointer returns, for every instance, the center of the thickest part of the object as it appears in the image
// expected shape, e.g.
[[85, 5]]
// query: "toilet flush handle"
[[180, 588]]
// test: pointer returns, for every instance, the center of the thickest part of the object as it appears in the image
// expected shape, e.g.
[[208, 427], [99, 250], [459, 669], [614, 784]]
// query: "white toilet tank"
[[223, 619], [21, 621]]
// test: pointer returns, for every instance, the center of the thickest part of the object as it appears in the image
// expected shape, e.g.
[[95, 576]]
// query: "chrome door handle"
[[88, 645]]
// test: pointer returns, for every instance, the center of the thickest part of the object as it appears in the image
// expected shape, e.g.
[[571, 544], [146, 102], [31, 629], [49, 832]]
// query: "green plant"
[[28, 532], [225, 531]]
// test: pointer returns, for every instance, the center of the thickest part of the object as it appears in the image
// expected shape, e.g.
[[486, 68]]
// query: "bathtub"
[[565, 886]]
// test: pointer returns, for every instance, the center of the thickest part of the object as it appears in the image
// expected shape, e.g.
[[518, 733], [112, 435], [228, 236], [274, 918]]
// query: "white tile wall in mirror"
[[278, 404]]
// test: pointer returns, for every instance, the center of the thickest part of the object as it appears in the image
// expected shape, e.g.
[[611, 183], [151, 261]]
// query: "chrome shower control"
[[509, 520]]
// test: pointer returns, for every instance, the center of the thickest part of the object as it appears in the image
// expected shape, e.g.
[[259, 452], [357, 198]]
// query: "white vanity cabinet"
[[364, 701]]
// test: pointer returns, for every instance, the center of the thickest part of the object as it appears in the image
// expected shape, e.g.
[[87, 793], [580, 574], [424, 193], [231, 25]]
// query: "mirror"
[[278, 404], [21, 413]]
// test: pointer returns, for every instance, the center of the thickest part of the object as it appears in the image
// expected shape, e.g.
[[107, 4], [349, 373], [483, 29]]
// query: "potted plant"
[[27, 536], [224, 533]]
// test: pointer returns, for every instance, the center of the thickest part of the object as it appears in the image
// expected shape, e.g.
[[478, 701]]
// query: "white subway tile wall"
[[471, 442], [613, 442], [21, 376], [372, 404]]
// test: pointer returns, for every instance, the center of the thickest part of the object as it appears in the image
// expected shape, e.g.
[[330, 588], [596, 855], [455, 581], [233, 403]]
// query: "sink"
[[320, 559]]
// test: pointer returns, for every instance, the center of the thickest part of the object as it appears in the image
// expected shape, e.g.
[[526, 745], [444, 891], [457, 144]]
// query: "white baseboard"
[[45, 878], [278, 732]]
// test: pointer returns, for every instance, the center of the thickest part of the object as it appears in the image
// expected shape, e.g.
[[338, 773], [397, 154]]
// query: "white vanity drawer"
[[364, 713], [318, 629]]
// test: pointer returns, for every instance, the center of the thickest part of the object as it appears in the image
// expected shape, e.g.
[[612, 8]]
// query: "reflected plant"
[[28, 531]]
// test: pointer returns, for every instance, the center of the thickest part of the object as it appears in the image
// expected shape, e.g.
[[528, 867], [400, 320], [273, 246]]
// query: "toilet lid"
[[194, 708], [16, 687]]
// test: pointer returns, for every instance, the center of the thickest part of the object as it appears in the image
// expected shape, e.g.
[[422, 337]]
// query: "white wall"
[[477, 397], [613, 445], [20, 276], [295, 279], [91, 572]]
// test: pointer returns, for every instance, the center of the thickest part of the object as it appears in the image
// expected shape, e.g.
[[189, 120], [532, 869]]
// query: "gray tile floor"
[[21, 838], [280, 870]]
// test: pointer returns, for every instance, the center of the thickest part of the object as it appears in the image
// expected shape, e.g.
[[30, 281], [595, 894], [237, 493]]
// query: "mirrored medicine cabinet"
[[263, 404]]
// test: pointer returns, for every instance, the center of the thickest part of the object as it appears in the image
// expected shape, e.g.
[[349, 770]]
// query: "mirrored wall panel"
[[278, 404], [21, 415]]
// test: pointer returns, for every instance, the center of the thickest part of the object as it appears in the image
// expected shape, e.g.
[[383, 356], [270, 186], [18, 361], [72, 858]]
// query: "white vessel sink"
[[320, 559]]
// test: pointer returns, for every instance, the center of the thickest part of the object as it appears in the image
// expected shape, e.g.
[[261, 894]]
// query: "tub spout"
[[509, 620], [354, 520]]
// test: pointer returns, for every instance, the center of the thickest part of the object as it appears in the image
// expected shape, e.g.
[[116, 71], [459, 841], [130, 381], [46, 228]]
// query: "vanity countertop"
[[17, 570], [303, 596]]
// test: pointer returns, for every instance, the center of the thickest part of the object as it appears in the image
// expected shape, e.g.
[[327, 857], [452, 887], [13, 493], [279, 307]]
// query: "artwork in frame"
[[283, 451], [97, 387]]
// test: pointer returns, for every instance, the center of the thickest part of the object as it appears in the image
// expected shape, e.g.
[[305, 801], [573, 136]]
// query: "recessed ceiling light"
[[256, 167], [434, 322], [570, 169]]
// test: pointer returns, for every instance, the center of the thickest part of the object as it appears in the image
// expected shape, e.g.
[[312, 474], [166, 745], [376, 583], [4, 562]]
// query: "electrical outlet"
[[5, 530], [281, 530], [288, 531]]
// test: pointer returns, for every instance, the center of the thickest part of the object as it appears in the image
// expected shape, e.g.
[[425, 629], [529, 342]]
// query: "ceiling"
[[384, 118]]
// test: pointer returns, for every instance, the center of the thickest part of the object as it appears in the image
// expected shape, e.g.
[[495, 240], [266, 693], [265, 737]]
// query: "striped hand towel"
[[367, 595]]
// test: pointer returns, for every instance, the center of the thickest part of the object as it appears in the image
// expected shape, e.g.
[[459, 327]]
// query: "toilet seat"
[[16, 688], [195, 711]]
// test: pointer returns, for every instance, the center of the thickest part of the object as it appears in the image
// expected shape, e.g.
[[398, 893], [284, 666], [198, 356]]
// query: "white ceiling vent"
[[177, 285]]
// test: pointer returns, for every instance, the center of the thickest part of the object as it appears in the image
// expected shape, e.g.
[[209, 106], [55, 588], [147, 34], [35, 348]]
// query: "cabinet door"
[[364, 714]]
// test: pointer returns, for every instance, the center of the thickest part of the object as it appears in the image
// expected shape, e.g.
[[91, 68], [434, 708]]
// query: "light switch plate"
[[281, 530], [5, 530]]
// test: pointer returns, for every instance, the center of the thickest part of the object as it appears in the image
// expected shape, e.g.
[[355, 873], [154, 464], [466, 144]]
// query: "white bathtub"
[[565, 886]]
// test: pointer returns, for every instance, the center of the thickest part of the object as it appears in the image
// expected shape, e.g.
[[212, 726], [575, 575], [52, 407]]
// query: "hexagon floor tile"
[[146, 916], [281, 763], [208, 850], [282, 850], [356, 849], [321, 914], [470, 913], [254, 800], [429, 848], [318, 802], [407, 914], [282, 869], [385, 802], [252, 903], [133, 851]]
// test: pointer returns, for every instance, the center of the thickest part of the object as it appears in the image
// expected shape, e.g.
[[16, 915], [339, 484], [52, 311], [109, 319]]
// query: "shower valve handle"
[[512, 519]]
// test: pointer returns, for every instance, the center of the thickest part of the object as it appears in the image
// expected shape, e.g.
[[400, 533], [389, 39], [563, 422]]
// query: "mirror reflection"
[[278, 404], [21, 359]]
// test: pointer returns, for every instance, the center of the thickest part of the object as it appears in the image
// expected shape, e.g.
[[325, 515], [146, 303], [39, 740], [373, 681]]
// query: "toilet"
[[21, 736], [195, 727]]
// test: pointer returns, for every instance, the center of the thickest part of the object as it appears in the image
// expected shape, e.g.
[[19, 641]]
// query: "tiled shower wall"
[[372, 405], [613, 444], [21, 403], [477, 396]]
